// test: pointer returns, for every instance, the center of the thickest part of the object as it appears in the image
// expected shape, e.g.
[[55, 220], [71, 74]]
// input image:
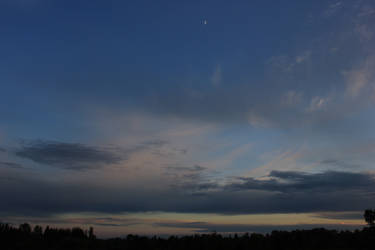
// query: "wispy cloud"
[[340, 164], [291, 98], [318, 103], [216, 76], [361, 78], [332, 9], [289, 63]]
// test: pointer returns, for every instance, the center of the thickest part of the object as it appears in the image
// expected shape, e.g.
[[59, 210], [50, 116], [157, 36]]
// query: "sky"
[[181, 117]]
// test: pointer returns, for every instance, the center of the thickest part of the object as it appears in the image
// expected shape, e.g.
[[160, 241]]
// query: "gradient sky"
[[180, 117]]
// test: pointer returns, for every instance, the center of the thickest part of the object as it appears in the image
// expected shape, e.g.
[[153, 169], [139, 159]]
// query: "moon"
[[205, 22]]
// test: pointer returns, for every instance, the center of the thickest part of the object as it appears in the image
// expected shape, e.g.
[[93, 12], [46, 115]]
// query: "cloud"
[[204, 227], [356, 215], [279, 192], [2, 150], [73, 156], [291, 97], [10, 164], [192, 180], [288, 64], [333, 9], [258, 121], [367, 11], [195, 168], [360, 78], [338, 163], [291, 181], [77, 156], [303, 57], [312, 70], [318, 103], [216, 76]]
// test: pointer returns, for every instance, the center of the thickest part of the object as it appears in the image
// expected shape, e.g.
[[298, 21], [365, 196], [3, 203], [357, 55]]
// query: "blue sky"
[[157, 117]]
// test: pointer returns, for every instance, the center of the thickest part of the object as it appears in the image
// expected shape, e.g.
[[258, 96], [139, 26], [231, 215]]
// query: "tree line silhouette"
[[26, 237]]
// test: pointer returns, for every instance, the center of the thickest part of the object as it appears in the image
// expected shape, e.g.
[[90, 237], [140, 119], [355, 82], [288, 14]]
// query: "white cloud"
[[318, 103]]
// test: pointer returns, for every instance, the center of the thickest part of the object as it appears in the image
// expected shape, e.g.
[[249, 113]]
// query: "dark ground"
[[24, 237]]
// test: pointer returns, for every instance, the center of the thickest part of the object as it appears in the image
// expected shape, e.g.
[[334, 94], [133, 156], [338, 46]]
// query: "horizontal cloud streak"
[[204, 227], [341, 215], [290, 181], [10, 164], [73, 156], [284, 192]]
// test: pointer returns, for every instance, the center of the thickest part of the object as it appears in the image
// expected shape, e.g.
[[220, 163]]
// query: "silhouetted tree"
[[369, 216], [78, 233], [91, 234], [38, 230], [21, 237], [25, 228]]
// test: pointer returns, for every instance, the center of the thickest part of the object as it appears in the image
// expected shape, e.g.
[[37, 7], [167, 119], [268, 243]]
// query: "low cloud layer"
[[341, 215], [204, 227], [281, 192]]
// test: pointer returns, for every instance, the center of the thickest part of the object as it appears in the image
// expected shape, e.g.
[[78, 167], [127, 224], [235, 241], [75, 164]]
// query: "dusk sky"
[[182, 117]]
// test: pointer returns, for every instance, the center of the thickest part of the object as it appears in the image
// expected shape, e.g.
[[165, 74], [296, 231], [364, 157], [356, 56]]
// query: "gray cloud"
[[340, 164], [358, 215], [204, 227], [289, 181], [286, 192], [73, 156], [195, 168], [10, 164], [2, 150], [194, 180]]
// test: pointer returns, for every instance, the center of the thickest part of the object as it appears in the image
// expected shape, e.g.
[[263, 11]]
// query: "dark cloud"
[[2, 150], [284, 192], [289, 181], [358, 215], [204, 227], [10, 164], [195, 168], [73, 156], [194, 180]]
